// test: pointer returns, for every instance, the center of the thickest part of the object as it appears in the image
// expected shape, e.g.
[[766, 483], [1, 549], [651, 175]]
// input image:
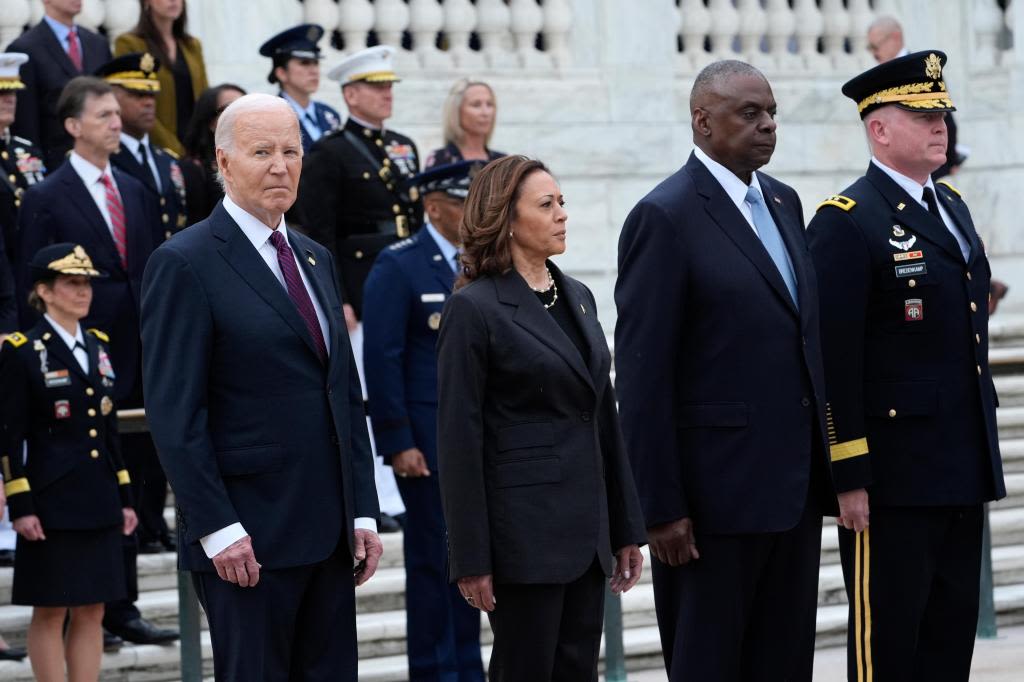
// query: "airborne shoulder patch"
[[839, 201]]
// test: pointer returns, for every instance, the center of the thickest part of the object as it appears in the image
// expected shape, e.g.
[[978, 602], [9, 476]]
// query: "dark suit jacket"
[[60, 209], [171, 193], [249, 425], [45, 74], [912, 403], [719, 376], [404, 295], [534, 479]]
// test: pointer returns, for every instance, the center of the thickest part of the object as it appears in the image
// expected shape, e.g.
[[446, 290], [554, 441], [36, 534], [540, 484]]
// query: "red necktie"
[[116, 210], [297, 292], [74, 49]]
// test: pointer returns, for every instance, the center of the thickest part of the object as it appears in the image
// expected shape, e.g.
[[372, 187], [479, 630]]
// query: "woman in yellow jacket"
[[182, 74]]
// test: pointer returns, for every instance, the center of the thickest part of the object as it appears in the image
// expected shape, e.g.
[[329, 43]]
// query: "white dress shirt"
[[134, 146], [735, 188], [75, 342], [259, 234], [91, 175], [916, 192], [62, 32]]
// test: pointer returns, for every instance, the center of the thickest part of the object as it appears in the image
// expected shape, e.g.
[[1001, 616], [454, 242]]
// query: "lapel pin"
[[900, 206], [583, 309], [777, 200], [897, 231], [437, 257], [46, 336], [309, 258], [38, 345]]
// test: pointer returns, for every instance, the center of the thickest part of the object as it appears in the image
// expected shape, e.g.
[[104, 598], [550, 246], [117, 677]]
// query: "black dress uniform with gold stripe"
[[911, 404], [69, 472], [353, 198]]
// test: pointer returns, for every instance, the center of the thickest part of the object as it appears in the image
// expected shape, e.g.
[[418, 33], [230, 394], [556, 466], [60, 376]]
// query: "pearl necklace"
[[551, 286]]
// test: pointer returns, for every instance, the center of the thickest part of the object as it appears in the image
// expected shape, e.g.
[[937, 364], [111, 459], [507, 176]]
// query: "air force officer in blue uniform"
[[402, 301]]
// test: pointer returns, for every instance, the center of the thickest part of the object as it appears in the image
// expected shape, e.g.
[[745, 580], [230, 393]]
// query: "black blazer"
[[719, 376], [45, 74], [534, 479], [913, 406], [170, 195], [249, 424], [60, 209]]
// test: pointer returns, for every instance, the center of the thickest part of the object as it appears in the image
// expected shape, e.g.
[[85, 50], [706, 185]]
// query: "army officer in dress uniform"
[[403, 298], [21, 165], [134, 77], [296, 68], [351, 195], [903, 280], [67, 488]]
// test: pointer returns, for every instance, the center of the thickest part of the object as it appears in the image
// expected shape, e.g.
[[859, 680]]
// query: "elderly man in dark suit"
[[257, 413], [58, 51], [86, 201], [720, 385]]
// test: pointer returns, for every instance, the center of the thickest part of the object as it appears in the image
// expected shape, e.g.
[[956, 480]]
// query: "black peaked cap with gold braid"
[[913, 82], [135, 71]]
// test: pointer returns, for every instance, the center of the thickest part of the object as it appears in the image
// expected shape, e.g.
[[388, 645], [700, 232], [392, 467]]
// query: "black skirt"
[[69, 568]]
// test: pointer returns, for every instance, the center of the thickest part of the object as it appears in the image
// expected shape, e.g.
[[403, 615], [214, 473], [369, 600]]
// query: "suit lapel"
[[238, 251], [127, 162], [586, 321], [724, 213], [316, 275], [531, 316], [789, 222], [912, 214], [83, 201], [56, 50]]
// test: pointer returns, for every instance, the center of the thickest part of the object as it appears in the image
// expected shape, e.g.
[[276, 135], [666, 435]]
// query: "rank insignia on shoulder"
[[951, 188], [99, 335], [16, 339], [839, 201]]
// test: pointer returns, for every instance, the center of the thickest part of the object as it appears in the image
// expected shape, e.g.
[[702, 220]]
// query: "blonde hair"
[[452, 112]]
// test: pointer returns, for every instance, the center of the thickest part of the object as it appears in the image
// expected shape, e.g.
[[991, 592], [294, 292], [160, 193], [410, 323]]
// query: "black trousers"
[[912, 578], [296, 625], [746, 609], [548, 633]]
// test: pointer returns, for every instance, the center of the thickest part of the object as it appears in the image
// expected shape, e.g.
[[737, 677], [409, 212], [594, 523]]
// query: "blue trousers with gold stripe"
[[912, 581]]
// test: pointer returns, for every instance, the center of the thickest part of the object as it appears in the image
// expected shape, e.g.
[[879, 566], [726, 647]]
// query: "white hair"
[[257, 102], [886, 24]]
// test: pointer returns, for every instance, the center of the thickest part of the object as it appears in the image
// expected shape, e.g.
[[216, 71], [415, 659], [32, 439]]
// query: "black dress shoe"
[[389, 524], [111, 642], [150, 547], [13, 653], [6, 557], [141, 631]]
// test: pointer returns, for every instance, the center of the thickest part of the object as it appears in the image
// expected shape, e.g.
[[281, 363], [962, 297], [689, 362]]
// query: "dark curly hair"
[[487, 220]]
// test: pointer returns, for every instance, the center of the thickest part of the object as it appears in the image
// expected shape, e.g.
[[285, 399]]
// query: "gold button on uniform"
[[892, 413], [90, 391], [380, 143], [977, 338], [968, 276], [397, 209], [12, 177], [4, 155], [912, 283], [166, 218], [358, 255], [92, 412], [974, 307], [163, 201], [95, 454], [366, 175], [979, 370], [92, 433]]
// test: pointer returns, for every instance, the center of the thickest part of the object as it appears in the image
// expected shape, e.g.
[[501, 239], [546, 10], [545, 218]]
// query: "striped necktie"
[[297, 292], [116, 210], [75, 49]]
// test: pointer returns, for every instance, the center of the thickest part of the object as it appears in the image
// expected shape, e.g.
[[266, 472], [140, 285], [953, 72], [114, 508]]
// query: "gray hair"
[[224, 136], [452, 112], [714, 74]]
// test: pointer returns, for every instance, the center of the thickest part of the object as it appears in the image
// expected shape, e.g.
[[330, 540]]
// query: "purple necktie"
[[297, 291]]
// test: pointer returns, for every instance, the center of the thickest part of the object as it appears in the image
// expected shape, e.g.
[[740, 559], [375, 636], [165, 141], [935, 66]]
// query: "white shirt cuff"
[[219, 540], [365, 522]]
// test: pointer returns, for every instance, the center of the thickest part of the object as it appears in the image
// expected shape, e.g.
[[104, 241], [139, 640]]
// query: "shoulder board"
[[839, 201], [99, 335], [398, 246], [16, 339], [951, 188], [168, 152]]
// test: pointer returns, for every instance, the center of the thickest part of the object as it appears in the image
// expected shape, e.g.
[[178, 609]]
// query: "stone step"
[[1010, 388], [1006, 330], [1011, 422], [1012, 450]]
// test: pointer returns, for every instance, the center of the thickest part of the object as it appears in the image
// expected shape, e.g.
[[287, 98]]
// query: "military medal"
[[913, 310], [434, 321], [910, 255], [62, 409], [106, 405], [58, 377], [104, 367]]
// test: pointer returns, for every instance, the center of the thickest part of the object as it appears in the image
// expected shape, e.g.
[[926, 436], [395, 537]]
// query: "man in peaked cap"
[[21, 166], [296, 67], [403, 297], [355, 195], [903, 280]]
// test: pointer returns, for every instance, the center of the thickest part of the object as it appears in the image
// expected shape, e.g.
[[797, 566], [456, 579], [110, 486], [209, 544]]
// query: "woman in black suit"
[[67, 489], [537, 490]]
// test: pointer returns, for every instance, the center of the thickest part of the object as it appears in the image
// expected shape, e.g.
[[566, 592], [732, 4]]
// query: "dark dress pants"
[[745, 610], [296, 625], [548, 633], [442, 630], [912, 579]]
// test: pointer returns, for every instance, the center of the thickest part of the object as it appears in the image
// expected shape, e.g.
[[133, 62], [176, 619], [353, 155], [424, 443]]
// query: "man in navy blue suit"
[[58, 50], [257, 412], [296, 68], [86, 201], [402, 301], [719, 375]]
